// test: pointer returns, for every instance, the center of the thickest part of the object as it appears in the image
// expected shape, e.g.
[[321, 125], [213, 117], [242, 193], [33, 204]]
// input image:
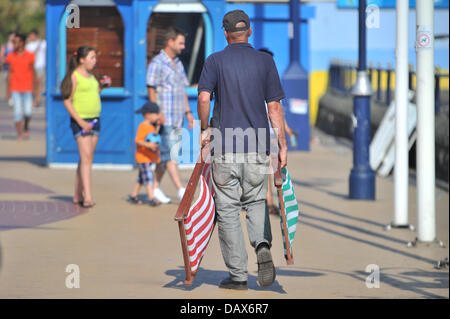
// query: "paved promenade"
[[126, 251]]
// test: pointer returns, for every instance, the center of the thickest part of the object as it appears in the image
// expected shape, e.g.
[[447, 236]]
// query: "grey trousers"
[[240, 182]]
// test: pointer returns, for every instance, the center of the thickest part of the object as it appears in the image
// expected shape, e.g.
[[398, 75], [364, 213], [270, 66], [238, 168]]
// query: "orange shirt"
[[144, 154], [21, 71]]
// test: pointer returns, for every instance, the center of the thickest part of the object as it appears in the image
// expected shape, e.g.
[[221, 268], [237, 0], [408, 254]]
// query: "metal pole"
[[258, 26], [401, 117], [295, 40], [426, 210], [437, 90], [362, 177], [388, 84]]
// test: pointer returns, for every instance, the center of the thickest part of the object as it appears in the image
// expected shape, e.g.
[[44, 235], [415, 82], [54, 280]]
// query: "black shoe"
[[266, 269], [230, 284], [154, 202]]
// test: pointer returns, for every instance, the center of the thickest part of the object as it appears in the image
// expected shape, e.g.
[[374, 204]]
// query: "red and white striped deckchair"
[[196, 222]]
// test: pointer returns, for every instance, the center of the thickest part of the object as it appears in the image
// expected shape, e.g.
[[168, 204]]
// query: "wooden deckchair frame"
[[183, 210], [278, 181]]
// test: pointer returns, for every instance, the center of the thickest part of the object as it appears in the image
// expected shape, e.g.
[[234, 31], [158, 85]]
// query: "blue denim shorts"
[[170, 143], [78, 131], [23, 102]]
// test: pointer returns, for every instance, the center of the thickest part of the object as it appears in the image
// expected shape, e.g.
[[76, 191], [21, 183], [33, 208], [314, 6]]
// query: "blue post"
[[258, 31], [437, 92], [379, 82], [295, 84], [388, 85], [362, 177], [410, 76]]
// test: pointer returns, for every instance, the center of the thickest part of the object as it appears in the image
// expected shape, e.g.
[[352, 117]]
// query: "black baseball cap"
[[234, 17], [149, 107]]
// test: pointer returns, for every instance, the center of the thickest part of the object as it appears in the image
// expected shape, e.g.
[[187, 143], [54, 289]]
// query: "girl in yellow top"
[[81, 94]]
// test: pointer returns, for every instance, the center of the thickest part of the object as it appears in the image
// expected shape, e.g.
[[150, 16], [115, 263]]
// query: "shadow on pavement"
[[409, 281], [214, 277], [9, 185], [35, 160], [322, 182], [357, 229], [334, 212], [370, 243], [31, 214]]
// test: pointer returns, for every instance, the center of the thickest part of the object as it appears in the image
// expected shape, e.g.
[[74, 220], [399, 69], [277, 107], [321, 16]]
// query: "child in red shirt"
[[20, 83]]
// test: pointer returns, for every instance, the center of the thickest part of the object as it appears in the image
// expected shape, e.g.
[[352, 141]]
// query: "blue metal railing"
[[342, 76]]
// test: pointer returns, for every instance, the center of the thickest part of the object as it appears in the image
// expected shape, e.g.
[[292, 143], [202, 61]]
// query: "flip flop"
[[80, 202], [88, 204], [154, 202], [134, 200]]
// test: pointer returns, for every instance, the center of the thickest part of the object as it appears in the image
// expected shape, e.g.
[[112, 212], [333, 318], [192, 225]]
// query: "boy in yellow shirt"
[[147, 151]]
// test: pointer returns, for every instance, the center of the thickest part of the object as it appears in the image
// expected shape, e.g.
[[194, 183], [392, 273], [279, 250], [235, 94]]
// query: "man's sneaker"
[[181, 192], [266, 269], [230, 284], [159, 195]]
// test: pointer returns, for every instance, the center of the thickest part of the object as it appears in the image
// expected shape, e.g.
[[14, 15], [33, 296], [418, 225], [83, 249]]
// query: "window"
[[100, 27], [193, 56]]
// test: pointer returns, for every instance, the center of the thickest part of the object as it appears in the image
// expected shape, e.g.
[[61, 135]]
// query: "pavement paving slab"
[[133, 251]]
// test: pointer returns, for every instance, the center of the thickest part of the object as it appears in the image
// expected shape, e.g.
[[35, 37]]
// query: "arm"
[[152, 94], [151, 145], [34, 79], [289, 131], [140, 139], [188, 113], [8, 85], [152, 98], [8, 80], [2, 54], [203, 109], [277, 120], [68, 105]]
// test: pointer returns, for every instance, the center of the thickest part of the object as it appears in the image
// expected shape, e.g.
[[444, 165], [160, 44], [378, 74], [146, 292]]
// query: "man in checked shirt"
[[167, 82]]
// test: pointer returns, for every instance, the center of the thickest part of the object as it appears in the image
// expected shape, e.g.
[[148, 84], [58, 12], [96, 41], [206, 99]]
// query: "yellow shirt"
[[86, 98]]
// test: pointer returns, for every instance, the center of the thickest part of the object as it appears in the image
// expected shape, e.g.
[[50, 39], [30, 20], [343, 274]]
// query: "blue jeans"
[[22, 100]]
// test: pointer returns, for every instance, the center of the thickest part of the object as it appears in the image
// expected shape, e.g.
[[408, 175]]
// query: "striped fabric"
[[291, 209], [199, 223]]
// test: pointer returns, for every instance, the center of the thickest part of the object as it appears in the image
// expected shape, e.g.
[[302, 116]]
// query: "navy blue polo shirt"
[[242, 79]]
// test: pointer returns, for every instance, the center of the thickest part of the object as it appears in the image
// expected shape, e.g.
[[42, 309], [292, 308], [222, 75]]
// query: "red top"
[[21, 71]]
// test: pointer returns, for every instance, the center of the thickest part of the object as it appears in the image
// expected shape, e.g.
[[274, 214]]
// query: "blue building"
[[127, 34]]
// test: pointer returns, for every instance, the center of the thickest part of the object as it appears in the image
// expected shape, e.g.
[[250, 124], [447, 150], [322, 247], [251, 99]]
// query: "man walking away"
[[242, 79]]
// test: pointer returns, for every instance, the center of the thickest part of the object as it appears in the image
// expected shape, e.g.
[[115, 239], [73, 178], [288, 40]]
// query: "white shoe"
[[181, 192], [159, 195]]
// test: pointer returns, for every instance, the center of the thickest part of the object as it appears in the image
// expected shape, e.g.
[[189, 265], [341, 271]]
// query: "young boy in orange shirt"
[[147, 152]]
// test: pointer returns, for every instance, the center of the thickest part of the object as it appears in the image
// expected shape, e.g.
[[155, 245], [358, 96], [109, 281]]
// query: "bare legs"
[[86, 148], [172, 168]]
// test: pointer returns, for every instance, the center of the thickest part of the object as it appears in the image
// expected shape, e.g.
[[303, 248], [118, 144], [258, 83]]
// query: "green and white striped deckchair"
[[289, 212]]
